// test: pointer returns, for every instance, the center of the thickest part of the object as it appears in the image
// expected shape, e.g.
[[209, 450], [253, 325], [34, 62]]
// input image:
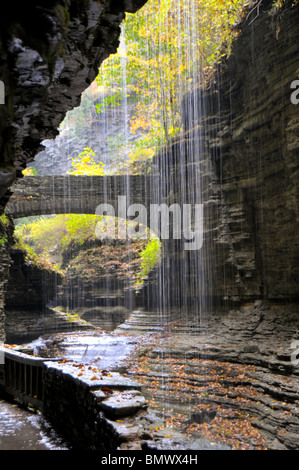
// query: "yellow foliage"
[[169, 45], [84, 164]]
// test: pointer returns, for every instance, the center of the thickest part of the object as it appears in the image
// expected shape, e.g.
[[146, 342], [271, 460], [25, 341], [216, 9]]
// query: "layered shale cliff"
[[240, 152], [6, 241]]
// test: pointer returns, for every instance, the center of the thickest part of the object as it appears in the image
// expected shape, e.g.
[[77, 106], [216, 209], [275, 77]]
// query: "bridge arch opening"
[[102, 274]]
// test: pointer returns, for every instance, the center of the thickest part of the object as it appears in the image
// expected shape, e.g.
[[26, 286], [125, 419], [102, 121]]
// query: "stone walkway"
[[230, 381], [24, 430]]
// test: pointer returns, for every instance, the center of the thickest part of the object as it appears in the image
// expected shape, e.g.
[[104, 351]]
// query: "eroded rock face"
[[246, 137], [50, 53], [6, 240], [29, 286], [240, 152]]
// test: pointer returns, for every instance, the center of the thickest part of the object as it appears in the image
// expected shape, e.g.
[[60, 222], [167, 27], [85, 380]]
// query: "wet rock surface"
[[231, 378], [123, 403], [241, 148], [173, 444], [118, 420], [120, 399], [29, 286], [27, 325], [221, 384]]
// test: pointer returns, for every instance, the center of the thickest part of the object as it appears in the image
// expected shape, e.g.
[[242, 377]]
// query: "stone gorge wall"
[[240, 151], [6, 240]]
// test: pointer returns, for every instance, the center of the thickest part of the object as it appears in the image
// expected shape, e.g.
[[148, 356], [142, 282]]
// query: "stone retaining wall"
[[82, 403], [91, 409], [85, 409]]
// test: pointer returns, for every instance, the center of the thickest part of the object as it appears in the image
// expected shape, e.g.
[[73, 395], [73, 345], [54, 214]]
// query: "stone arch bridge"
[[45, 195], [74, 194]]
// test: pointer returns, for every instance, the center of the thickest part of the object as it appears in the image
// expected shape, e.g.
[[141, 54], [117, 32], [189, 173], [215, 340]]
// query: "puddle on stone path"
[[23, 430]]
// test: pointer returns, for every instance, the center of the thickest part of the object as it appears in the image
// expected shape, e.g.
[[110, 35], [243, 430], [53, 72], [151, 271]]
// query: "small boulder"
[[124, 403]]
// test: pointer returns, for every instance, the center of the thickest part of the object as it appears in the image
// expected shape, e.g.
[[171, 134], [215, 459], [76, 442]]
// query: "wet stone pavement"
[[21, 429]]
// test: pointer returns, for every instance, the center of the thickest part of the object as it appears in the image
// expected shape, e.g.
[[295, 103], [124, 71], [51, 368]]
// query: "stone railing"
[[83, 404], [21, 376]]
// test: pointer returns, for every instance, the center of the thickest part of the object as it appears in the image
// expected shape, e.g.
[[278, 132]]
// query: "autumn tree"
[[166, 48]]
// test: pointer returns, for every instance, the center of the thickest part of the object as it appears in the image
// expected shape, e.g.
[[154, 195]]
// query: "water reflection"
[[105, 350]]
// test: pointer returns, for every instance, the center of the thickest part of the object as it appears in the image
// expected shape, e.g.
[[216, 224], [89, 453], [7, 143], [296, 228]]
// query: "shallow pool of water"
[[105, 350]]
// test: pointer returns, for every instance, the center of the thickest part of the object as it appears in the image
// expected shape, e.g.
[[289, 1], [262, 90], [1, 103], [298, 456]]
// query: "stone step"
[[141, 321], [23, 324]]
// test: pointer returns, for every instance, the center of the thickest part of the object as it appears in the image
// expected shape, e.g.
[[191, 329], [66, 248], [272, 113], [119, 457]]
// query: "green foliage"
[[108, 101], [133, 158], [4, 228], [4, 220], [26, 220], [31, 257], [47, 234], [44, 240], [79, 228], [150, 258], [166, 48], [30, 171]]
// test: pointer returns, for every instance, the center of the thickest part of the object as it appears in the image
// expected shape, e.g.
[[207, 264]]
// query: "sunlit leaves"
[[30, 171], [166, 48], [47, 238], [150, 258], [112, 100], [84, 164]]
